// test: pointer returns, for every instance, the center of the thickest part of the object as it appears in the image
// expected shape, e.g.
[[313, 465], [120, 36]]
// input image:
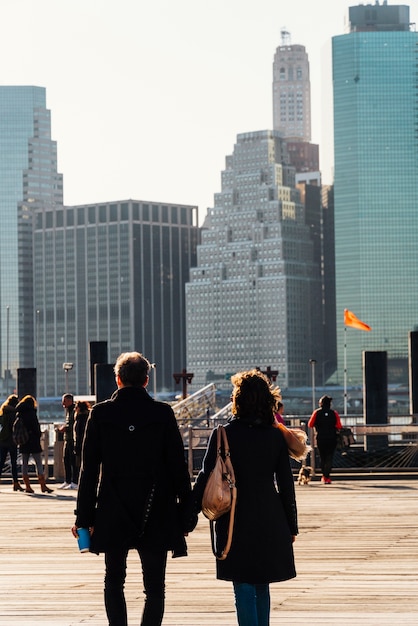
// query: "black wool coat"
[[265, 516], [30, 419], [133, 469]]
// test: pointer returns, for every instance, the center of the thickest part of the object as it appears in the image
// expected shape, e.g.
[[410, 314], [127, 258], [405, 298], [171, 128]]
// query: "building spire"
[[285, 37]]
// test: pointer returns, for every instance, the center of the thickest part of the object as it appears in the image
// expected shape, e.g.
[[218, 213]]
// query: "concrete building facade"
[[112, 272], [254, 298]]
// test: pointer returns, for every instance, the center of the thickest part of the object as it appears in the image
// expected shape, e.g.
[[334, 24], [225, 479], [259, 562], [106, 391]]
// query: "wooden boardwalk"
[[356, 558]]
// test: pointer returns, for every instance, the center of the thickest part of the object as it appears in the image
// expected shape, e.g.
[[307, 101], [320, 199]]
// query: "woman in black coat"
[[7, 445], [26, 411], [133, 480], [265, 518]]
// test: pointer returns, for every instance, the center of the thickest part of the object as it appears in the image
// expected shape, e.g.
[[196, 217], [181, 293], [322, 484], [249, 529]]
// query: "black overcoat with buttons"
[[265, 516], [134, 476]]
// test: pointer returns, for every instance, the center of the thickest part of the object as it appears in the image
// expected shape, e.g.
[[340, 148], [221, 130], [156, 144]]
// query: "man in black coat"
[[133, 481], [70, 465]]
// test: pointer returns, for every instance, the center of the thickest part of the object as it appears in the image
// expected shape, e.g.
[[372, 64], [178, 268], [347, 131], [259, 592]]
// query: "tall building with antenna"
[[291, 90]]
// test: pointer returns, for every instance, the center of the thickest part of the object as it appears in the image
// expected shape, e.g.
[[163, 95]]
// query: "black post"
[[26, 382], [413, 375], [98, 354], [105, 382], [375, 394]]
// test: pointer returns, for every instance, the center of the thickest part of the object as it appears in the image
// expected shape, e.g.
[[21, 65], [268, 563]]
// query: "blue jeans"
[[252, 603], [153, 572]]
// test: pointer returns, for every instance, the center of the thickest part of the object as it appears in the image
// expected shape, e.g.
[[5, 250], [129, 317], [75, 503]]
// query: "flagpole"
[[345, 371]]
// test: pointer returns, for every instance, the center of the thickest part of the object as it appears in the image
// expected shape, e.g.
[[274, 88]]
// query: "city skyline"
[[181, 80]]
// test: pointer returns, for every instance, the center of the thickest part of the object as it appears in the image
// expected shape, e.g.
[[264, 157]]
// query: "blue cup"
[[83, 538]]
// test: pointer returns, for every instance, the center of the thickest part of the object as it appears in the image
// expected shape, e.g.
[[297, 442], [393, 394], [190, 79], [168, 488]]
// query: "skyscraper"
[[291, 91], [112, 272], [375, 84], [28, 179], [254, 298]]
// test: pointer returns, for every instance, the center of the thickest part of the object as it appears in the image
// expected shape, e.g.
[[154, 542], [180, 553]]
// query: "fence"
[[379, 447]]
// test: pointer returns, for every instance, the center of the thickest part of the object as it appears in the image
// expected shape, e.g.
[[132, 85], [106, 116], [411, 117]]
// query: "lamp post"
[[67, 367], [7, 348], [313, 363], [311, 434], [153, 366]]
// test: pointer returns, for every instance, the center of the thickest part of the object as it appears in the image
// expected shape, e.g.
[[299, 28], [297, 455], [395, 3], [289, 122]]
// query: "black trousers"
[[70, 463], [153, 573], [326, 449]]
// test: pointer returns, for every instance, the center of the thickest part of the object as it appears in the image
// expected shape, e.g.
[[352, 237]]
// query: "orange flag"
[[352, 320]]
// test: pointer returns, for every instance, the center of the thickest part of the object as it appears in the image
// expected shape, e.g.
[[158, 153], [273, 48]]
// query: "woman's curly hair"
[[254, 398]]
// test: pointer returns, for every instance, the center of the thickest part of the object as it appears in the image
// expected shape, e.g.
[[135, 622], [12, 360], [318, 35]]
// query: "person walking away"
[[70, 464], [265, 525], [7, 445], [26, 411], [81, 414], [326, 422], [133, 485]]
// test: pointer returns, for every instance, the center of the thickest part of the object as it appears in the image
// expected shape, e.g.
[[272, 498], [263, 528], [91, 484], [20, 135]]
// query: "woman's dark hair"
[[10, 401], [254, 399], [27, 402], [325, 402], [83, 406]]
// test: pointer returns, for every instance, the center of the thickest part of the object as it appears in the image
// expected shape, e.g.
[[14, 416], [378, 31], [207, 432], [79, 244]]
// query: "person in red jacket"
[[326, 422]]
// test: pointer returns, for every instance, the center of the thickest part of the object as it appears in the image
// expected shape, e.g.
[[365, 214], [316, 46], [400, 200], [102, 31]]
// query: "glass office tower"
[[376, 192], [28, 179]]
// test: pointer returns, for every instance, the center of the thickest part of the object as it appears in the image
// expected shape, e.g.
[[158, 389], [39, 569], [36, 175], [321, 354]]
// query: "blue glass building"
[[375, 84], [28, 179]]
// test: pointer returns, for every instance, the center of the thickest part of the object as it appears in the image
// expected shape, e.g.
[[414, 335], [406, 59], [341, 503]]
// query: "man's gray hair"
[[132, 369]]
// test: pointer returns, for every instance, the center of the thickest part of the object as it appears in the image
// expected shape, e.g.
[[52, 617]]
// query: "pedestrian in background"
[[326, 422], [81, 414], [26, 411], [69, 458], [7, 445]]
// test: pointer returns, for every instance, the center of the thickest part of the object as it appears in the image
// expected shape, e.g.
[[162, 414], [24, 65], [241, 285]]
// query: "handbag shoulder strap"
[[228, 463], [221, 432]]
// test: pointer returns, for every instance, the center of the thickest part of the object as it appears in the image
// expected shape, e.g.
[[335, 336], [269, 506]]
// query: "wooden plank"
[[356, 557]]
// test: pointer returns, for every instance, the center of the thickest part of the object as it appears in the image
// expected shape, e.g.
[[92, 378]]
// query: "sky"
[[147, 97]]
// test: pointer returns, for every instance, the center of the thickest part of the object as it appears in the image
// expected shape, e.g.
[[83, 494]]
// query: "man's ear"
[[146, 382]]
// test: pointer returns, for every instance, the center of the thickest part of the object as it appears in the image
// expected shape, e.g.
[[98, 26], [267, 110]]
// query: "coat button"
[[131, 428]]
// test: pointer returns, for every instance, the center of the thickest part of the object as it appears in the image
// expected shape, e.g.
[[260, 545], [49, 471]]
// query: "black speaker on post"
[[413, 375], [26, 382], [375, 394], [98, 354], [105, 381]]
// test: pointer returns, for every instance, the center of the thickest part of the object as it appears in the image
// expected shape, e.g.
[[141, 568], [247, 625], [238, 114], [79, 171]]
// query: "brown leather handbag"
[[220, 494]]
